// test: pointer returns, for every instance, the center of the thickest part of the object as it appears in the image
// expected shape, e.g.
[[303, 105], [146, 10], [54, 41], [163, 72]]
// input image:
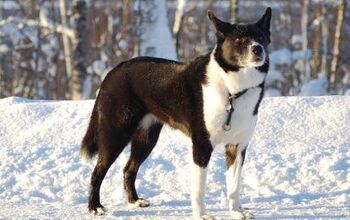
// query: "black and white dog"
[[214, 100]]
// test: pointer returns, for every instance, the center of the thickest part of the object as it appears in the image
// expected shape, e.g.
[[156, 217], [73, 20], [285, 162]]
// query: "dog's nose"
[[257, 50]]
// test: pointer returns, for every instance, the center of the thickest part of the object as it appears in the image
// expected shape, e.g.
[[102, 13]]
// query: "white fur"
[[147, 121], [215, 98], [233, 183], [84, 156], [140, 203], [199, 179], [207, 217], [100, 211]]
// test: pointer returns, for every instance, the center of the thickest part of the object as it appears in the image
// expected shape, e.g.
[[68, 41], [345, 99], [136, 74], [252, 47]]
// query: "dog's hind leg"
[[112, 139], [143, 141], [110, 148]]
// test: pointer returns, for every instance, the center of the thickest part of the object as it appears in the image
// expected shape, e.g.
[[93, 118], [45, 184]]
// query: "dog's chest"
[[243, 120]]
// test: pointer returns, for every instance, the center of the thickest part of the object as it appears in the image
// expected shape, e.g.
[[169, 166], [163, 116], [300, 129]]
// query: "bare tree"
[[31, 47], [66, 44], [337, 44], [324, 37], [316, 42], [178, 22], [79, 70], [304, 31], [234, 11]]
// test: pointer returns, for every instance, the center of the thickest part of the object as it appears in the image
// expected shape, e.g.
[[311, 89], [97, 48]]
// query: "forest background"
[[61, 49]]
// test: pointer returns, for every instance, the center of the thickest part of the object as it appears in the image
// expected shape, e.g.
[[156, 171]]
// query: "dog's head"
[[243, 45]]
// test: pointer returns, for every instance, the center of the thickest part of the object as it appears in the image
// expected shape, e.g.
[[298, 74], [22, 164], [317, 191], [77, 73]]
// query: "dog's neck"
[[232, 81]]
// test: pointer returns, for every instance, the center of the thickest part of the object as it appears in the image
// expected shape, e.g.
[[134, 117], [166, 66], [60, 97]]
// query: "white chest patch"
[[215, 100]]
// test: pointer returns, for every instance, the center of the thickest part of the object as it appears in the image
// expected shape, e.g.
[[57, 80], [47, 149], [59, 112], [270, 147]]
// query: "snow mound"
[[297, 164]]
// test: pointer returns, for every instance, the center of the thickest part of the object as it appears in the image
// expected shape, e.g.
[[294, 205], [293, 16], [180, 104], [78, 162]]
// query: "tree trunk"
[[66, 45], [316, 43], [337, 44], [178, 24], [304, 30], [234, 11], [80, 88], [325, 36], [156, 39]]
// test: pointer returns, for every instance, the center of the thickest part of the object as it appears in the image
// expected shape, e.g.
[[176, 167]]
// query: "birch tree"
[[316, 42], [66, 43], [178, 22], [234, 11], [325, 37], [80, 88], [304, 31], [337, 43]]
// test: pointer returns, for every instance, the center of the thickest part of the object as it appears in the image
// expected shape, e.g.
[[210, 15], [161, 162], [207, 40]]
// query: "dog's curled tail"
[[89, 146]]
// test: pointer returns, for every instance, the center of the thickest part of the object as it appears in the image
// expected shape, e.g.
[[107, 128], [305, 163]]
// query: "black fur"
[[233, 40], [243, 153], [261, 95], [142, 144], [169, 90]]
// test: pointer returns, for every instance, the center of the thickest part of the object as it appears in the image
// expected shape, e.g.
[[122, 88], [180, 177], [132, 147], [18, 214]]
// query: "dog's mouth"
[[253, 60], [258, 59]]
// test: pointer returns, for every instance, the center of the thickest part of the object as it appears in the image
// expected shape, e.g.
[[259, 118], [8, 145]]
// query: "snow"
[[10, 5], [281, 56], [285, 56], [297, 165], [297, 39], [274, 75], [4, 49], [315, 87], [271, 92], [99, 67]]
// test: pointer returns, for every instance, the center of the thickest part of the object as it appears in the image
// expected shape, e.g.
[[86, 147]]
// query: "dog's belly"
[[242, 123]]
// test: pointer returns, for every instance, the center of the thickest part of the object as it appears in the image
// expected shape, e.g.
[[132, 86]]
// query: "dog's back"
[[141, 86], [125, 87]]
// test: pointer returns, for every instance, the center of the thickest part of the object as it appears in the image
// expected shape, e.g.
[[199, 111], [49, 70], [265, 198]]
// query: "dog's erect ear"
[[220, 26], [264, 22]]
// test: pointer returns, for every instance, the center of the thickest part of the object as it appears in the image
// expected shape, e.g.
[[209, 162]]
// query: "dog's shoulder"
[[196, 69]]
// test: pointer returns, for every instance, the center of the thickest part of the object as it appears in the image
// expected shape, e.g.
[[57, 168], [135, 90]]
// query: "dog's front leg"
[[202, 150], [234, 161]]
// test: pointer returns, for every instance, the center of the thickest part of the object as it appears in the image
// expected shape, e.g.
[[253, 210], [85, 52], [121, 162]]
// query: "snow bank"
[[297, 165]]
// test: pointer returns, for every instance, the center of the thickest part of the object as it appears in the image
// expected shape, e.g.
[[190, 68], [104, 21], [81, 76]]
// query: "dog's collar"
[[230, 109]]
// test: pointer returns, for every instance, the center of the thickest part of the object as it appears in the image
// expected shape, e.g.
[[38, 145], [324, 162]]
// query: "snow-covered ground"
[[298, 164]]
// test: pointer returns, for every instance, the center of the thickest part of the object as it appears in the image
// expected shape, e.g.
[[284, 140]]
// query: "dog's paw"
[[207, 217], [98, 210], [244, 214], [141, 203], [203, 217], [248, 214]]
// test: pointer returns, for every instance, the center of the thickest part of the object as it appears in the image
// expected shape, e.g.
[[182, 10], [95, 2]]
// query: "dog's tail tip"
[[87, 150], [85, 156]]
